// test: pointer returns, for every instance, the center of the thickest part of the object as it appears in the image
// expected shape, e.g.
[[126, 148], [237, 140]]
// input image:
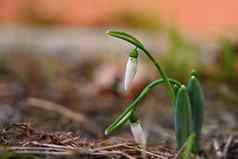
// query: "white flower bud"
[[138, 133], [130, 73]]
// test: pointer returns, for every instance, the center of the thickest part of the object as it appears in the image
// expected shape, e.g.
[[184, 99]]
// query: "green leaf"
[[197, 105], [127, 37], [120, 121], [229, 58], [182, 116], [188, 146]]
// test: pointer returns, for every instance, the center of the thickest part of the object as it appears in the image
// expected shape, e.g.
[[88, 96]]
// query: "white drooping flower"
[[138, 133], [131, 68]]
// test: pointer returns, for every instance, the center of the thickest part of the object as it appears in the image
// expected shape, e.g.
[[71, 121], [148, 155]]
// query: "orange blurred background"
[[204, 17]]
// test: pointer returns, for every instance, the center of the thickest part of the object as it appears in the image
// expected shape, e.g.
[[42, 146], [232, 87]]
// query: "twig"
[[147, 152], [78, 117], [51, 149], [50, 145], [113, 153], [45, 152], [226, 148], [56, 151], [16, 148], [108, 147], [69, 140], [217, 149]]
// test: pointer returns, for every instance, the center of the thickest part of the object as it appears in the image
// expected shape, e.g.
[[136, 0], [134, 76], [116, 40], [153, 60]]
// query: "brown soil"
[[62, 113]]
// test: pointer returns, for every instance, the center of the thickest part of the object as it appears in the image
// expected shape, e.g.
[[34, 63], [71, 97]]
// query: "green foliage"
[[134, 53], [197, 105], [188, 146], [132, 40], [129, 112], [127, 37], [181, 57], [187, 104], [182, 117], [228, 59], [120, 121], [176, 89]]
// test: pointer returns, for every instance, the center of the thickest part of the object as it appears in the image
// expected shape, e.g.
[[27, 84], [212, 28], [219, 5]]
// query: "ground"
[[62, 113]]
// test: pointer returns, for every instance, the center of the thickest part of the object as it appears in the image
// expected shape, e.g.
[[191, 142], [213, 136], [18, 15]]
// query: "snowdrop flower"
[[138, 133], [131, 68]]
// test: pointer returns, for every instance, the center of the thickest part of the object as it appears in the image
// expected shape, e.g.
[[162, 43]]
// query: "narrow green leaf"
[[228, 58], [197, 105], [188, 146], [120, 121], [182, 116], [127, 37]]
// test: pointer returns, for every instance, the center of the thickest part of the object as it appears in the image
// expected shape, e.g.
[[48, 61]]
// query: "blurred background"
[[55, 54]]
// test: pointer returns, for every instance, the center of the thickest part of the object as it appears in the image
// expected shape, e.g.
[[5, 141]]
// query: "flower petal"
[[130, 73], [138, 133]]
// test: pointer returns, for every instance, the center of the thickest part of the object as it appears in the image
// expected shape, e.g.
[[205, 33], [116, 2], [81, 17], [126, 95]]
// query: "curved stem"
[[129, 112], [132, 40], [162, 73], [149, 87]]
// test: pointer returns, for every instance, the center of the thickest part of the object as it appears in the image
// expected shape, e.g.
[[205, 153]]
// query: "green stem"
[[162, 73], [132, 40], [132, 107], [149, 87]]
